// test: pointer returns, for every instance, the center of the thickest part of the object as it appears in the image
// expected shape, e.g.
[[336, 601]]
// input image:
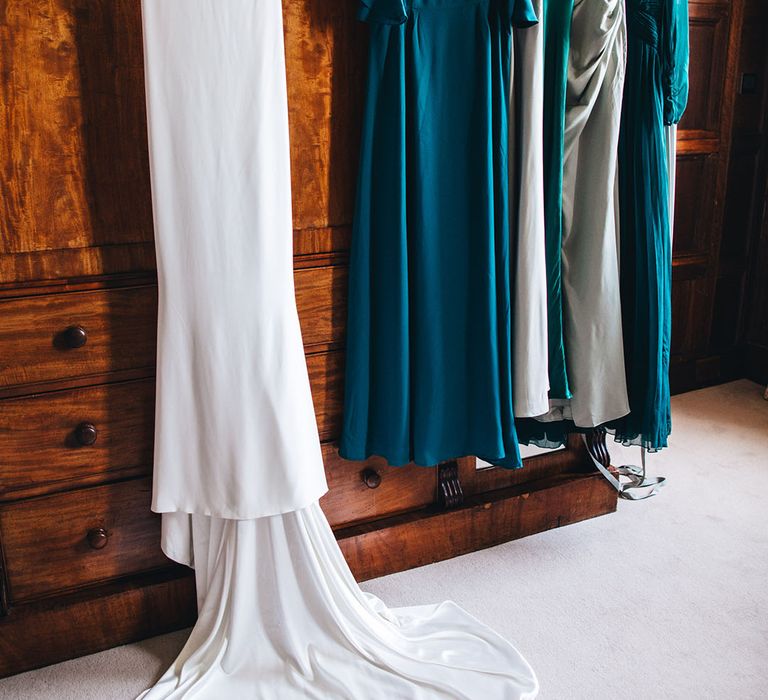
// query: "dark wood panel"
[[693, 203], [740, 200], [321, 297], [42, 437], [83, 537], [701, 237], [708, 56], [120, 325], [49, 631], [689, 319], [350, 499], [726, 315], [756, 334], [742, 287], [73, 133], [753, 67], [326, 377]]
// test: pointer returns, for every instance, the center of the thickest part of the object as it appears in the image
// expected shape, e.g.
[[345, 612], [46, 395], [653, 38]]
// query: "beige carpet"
[[668, 598]]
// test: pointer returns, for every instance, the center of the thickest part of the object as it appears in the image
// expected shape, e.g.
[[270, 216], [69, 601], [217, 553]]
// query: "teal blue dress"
[[428, 348], [655, 94]]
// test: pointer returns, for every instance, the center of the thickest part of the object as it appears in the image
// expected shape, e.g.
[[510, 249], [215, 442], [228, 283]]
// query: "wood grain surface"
[[120, 325], [39, 449], [45, 540]]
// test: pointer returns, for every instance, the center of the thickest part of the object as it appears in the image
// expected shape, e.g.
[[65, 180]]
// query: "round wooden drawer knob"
[[371, 478], [74, 337], [86, 434], [97, 537]]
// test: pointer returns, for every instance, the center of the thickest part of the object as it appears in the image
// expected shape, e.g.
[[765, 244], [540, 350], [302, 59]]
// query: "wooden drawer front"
[[350, 499], [54, 543], [326, 376], [321, 297], [119, 324], [44, 439]]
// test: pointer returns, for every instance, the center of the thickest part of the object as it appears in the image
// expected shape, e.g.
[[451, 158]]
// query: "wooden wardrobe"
[[80, 564]]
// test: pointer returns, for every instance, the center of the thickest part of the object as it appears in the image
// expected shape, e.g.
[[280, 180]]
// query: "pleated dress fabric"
[[655, 94], [526, 196], [282, 618], [429, 337], [280, 615]]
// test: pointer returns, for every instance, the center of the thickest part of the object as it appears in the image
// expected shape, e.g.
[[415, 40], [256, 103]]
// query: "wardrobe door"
[[720, 140], [76, 197]]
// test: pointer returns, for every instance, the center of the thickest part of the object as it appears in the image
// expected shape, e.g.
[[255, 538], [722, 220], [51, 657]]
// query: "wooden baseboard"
[[47, 632], [756, 363], [700, 372], [416, 539]]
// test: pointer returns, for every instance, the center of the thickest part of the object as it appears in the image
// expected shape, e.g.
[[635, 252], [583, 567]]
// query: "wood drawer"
[[321, 298], [44, 438], [70, 540], [119, 325], [350, 499]]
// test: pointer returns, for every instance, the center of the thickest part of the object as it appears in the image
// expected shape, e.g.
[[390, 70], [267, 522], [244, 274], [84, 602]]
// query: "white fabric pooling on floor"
[[238, 467], [281, 617]]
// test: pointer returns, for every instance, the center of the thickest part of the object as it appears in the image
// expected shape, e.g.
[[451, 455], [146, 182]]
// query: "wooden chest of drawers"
[[79, 538], [80, 563]]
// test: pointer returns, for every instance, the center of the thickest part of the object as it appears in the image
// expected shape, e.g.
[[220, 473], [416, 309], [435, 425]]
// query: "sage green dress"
[[429, 365]]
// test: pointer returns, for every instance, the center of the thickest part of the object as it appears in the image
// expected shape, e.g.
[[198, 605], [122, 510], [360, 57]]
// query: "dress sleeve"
[[382, 11], [674, 46], [521, 13]]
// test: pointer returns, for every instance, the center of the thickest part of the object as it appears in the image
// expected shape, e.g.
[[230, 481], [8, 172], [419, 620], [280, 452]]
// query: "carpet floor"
[[667, 598]]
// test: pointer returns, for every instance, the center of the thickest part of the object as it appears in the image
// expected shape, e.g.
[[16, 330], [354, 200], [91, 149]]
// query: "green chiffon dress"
[[428, 349], [655, 94], [557, 37]]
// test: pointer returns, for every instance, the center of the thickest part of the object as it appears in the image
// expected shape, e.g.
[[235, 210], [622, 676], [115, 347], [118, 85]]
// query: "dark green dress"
[[557, 39], [429, 373], [655, 94]]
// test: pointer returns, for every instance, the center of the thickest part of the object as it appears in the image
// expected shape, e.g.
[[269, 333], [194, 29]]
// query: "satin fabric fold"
[[232, 381], [590, 230], [282, 618]]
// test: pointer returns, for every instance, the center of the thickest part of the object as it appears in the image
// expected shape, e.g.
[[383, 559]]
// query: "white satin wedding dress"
[[238, 468]]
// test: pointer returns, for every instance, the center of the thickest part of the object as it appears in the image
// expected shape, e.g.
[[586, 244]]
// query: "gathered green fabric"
[[655, 94], [429, 365], [557, 35]]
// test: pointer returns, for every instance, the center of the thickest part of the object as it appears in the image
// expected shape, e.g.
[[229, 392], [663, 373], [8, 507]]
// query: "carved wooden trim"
[[597, 447], [449, 491]]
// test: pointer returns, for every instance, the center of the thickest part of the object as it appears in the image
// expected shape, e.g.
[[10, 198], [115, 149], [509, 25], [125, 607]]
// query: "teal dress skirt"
[[655, 95], [428, 347]]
